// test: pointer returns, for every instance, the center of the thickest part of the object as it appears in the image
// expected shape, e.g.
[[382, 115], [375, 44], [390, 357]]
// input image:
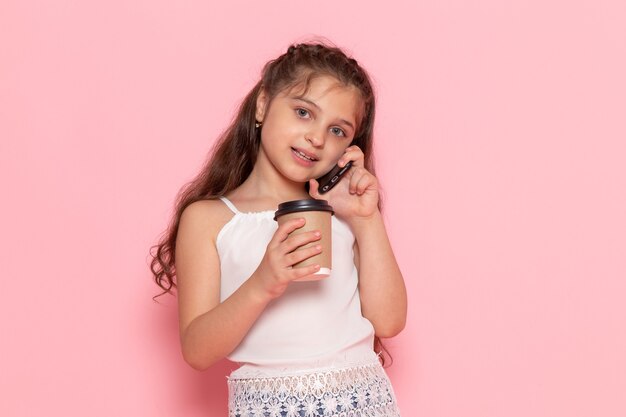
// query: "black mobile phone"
[[328, 181]]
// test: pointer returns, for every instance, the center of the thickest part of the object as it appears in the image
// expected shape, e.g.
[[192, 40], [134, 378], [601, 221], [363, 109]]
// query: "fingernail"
[[318, 247], [317, 233]]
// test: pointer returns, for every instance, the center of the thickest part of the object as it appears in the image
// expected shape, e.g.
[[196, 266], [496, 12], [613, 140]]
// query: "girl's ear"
[[261, 104]]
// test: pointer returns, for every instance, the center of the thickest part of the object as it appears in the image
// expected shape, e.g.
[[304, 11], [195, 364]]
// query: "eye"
[[302, 112], [337, 131]]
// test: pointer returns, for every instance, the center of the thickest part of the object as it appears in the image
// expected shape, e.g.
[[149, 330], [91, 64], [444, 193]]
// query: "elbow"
[[199, 354], [197, 359], [389, 328], [197, 362], [194, 360]]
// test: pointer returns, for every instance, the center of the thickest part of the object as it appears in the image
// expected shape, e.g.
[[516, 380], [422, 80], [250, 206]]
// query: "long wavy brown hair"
[[234, 154]]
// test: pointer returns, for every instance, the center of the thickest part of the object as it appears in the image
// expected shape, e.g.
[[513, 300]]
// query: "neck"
[[268, 187]]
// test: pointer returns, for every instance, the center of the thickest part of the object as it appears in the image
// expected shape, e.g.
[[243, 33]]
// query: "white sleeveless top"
[[314, 324]]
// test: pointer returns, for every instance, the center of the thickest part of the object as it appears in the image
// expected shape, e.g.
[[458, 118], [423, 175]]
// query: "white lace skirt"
[[363, 391]]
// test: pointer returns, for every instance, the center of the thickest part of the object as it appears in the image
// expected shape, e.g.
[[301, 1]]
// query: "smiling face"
[[304, 133]]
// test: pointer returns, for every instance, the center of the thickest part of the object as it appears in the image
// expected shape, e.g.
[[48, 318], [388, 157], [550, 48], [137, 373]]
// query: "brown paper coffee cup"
[[318, 216]]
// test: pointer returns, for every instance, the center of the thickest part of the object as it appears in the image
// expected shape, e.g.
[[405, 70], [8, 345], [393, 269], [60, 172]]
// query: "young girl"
[[305, 348]]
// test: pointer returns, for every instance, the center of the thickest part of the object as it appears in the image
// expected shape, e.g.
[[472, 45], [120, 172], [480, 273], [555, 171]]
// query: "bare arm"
[[210, 330], [381, 285]]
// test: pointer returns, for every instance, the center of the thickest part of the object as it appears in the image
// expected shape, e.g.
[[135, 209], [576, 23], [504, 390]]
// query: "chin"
[[297, 178]]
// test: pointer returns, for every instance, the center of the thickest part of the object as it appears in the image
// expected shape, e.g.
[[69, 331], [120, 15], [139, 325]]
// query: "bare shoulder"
[[197, 259], [206, 217]]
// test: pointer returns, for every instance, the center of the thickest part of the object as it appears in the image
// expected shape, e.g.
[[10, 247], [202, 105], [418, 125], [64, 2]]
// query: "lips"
[[305, 155]]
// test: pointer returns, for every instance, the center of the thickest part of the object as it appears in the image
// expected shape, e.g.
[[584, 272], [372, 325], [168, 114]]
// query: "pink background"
[[500, 145]]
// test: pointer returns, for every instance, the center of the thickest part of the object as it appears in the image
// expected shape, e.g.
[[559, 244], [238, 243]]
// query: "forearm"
[[216, 333], [381, 285]]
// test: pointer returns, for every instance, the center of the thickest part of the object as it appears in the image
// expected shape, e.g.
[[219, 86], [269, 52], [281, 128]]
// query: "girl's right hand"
[[276, 270]]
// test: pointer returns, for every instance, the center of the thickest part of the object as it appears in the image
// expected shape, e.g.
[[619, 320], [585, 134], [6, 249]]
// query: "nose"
[[315, 136]]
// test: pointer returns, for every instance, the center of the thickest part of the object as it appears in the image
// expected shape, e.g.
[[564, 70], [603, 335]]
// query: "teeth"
[[304, 156]]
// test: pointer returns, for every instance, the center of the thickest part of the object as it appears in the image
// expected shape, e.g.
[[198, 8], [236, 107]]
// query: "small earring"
[[258, 124]]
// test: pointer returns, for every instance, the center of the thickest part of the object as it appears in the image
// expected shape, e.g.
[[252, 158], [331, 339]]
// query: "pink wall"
[[501, 135]]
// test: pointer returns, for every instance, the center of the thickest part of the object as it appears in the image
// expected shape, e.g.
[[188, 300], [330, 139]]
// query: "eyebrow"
[[344, 121]]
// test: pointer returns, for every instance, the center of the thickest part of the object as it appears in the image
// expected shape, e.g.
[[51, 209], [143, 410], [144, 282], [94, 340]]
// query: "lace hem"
[[362, 391]]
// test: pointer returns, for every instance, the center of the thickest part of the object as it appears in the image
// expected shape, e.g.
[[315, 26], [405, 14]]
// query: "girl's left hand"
[[356, 195]]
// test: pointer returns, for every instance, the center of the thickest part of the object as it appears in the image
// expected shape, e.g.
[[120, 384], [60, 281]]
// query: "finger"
[[302, 254], [293, 242], [354, 154], [303, 271], [364, 183], [355, 178], [314, 189], [286, 228]]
